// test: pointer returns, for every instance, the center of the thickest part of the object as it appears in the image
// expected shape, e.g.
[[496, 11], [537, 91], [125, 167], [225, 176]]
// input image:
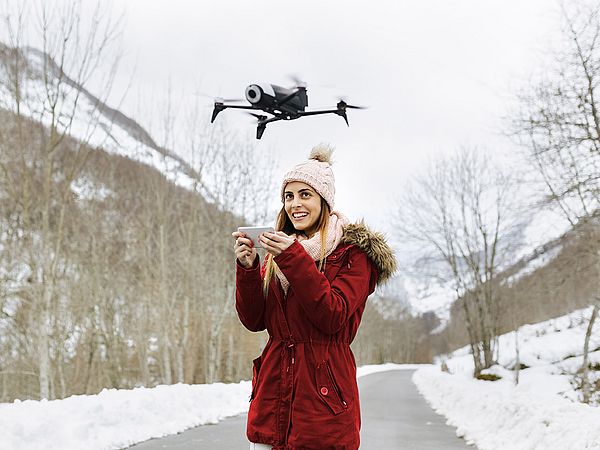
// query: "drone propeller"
[[355, 107], [228, 100], [262, 124], [300, 83], [342, 104], [297, 81], [218, 99]]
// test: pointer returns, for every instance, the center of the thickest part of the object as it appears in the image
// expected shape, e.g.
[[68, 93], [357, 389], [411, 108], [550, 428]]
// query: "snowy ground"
[[542, 411], [118, 418]]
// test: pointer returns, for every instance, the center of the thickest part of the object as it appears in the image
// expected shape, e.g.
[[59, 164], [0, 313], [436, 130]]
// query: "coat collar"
[[374, 244]]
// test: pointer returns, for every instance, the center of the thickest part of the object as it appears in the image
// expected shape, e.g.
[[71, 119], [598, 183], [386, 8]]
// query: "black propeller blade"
[[342, 104]]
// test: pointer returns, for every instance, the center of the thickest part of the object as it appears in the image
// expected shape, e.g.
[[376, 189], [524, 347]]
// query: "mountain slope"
[[84, 116]]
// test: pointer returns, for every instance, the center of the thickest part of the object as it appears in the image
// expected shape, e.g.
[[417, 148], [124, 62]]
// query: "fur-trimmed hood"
[[374, 245]]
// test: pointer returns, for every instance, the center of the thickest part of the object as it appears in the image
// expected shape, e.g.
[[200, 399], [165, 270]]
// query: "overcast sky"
[[435, 74]]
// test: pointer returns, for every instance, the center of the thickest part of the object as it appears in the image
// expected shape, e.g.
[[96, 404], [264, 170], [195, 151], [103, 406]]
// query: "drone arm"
[[314, 113], [220, 107], [339, 112]]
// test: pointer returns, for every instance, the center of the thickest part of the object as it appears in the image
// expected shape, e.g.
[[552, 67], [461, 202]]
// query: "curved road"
[[394, 416]]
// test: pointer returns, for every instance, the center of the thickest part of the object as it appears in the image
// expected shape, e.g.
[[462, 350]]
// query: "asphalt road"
[[394, 416]]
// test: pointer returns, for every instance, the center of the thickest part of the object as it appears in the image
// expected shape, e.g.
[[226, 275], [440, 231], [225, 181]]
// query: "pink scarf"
[[335, 230]]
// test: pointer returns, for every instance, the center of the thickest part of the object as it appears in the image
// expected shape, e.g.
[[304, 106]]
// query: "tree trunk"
[[518, 357], [43, 353], [166, 360], [585, 383]]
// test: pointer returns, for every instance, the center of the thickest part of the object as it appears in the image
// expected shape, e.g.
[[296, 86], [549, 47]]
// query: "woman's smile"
[[298, 216]]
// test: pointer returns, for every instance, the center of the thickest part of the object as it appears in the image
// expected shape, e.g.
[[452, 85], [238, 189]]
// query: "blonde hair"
[[285, 224]]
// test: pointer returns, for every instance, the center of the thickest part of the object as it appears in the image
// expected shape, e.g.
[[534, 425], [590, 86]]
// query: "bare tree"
[[237, 179], [41, 89], [459, 219], [559, 125]]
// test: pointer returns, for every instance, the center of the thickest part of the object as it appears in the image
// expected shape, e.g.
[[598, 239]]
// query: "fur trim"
[[322, 153], [375, 246]]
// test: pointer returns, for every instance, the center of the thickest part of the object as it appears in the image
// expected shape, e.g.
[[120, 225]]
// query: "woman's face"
[[303, 206]]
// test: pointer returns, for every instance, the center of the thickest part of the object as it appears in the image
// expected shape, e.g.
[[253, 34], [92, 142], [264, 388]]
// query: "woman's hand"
[[277, 242], [244, 250]]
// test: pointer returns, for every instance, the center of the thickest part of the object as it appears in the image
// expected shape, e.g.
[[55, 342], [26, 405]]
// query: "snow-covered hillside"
[[534, 251], [542, 411], [93, 122]]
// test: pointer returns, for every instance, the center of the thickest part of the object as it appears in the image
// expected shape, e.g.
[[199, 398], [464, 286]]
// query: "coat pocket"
[[328, 389], [255, 370]]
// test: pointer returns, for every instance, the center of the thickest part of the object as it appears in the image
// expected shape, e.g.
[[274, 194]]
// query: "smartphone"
[[253, 233]]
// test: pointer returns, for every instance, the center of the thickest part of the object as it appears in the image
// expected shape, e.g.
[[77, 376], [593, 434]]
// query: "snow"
[[499, 416], [543, 259], [88, 190], [542, 411], [117, 418]]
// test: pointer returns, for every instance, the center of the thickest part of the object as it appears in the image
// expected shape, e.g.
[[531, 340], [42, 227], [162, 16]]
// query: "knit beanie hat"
[[316, 172]]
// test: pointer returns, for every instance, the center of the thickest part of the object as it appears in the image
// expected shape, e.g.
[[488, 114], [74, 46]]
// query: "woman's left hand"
[[277, 242]]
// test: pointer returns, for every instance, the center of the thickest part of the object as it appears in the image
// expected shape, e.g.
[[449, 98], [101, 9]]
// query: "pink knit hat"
[[316, 172]]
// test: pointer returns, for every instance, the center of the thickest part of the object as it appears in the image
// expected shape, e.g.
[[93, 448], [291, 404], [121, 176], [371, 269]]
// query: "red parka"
[[304, 390]]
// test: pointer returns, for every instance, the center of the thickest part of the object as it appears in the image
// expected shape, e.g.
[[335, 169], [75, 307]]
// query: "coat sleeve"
[[249, 297], [328, 305]]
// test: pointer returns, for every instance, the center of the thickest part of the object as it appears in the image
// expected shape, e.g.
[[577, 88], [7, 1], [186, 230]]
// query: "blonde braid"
[[270, 269]]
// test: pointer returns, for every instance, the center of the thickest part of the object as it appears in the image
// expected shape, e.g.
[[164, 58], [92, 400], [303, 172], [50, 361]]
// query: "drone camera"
[[254, 93]]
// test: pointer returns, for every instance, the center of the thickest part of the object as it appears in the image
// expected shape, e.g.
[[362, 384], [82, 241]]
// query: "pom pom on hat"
[[316, 172], [321, 153]]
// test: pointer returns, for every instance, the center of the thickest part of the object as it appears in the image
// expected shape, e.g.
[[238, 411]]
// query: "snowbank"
[[498, 416], [117, 418], [367, 370], [542, 411]]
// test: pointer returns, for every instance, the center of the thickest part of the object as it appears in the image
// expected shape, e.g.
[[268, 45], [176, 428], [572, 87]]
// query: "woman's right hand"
[[244, 250]]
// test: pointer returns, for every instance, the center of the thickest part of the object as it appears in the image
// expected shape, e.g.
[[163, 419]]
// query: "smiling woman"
[[309, 295]]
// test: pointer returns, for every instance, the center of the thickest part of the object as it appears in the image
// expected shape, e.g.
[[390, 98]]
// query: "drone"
[[281, 103]]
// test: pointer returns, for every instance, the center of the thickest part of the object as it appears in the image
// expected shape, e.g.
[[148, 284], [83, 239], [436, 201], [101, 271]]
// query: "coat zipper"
[[335, 386]]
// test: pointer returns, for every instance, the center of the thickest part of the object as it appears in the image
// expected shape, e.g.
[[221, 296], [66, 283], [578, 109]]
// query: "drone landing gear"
[[262, 123], [260, 130]]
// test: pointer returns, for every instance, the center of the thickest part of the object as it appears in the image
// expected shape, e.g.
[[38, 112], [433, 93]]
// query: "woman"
[[309, 295]]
